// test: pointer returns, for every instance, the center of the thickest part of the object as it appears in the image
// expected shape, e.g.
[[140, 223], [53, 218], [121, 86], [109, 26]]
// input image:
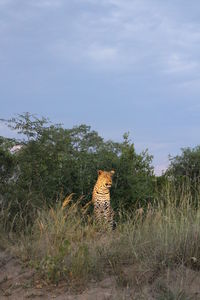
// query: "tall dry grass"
[[64, 243]]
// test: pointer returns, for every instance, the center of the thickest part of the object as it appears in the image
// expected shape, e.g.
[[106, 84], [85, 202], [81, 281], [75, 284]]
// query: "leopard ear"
[[112, 172], [100, 172]]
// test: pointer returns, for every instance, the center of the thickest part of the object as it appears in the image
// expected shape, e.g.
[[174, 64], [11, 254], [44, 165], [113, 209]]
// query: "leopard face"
[[105, 179]]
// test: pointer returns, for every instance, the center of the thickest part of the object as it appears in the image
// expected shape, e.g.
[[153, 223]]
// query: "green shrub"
[[54, 162]]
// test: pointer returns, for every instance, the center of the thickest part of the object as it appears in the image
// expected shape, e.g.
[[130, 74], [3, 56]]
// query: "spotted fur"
[[103, 211]]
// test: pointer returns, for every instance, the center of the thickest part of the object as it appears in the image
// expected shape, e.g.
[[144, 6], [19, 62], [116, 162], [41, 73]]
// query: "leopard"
[[103, 212]]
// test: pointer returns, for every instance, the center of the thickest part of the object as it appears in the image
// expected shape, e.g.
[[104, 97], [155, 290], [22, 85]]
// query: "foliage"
[[54, 162], [57, 245], [135, 180], [187, 164], [6, 160], [185, 169]]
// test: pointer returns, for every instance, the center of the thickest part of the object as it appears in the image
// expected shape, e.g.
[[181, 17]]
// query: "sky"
[[116, 65]]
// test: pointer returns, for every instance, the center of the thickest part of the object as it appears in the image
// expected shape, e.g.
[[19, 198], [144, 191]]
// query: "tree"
[[186, 165], [184, 173], [54, 162], [135, 183]]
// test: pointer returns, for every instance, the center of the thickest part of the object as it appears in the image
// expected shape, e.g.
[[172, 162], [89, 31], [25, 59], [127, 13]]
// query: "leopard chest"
[[101, 201], [102, 206]]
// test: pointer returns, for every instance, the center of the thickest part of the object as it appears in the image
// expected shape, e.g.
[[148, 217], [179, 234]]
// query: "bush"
[[186, 165], [54, 162]]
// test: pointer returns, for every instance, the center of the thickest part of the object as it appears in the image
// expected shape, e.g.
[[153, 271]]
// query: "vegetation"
[[55, 162], [187, 164], [64, 244], [45, 218]]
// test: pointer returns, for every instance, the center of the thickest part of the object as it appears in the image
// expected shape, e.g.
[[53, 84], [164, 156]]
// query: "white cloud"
[[118, 35], [130, 35], [47, 3], [102, 53], [5, 2], [177, 64], [191, 85]]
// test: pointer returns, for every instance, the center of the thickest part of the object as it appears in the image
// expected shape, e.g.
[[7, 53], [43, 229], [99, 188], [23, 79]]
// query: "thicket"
[[187, 164], [54, 162]]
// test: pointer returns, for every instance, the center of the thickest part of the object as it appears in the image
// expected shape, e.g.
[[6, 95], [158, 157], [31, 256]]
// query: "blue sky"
[[117, 65]]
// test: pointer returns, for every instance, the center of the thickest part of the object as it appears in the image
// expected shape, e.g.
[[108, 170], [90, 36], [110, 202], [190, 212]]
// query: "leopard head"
[[105, 178]]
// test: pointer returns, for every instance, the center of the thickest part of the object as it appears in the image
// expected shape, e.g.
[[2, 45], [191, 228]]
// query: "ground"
[[19, 282]]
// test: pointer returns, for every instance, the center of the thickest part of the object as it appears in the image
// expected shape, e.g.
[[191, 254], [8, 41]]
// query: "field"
[[154, 253]]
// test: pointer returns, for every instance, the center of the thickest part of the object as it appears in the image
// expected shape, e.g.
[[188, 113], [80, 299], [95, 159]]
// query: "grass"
[[64, 244]]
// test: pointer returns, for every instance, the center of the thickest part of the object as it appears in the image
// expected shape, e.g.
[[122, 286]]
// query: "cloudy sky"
[[117, 65]]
